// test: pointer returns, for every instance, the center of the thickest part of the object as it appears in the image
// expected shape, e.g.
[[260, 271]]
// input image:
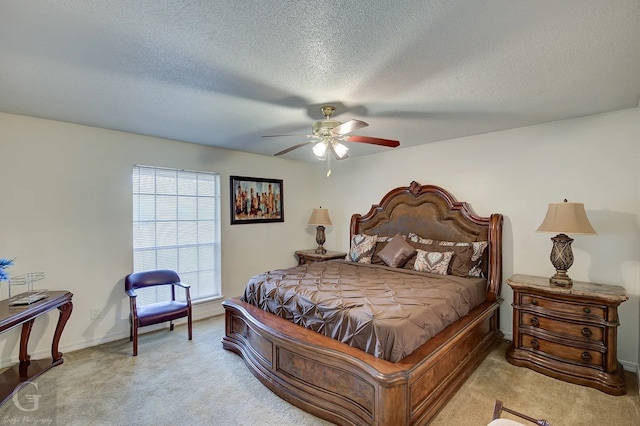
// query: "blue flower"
[[5, 263]]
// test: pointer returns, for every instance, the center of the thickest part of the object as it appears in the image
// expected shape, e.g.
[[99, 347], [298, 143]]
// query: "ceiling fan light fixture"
[[320, 150], [341, 150], [327, 137]]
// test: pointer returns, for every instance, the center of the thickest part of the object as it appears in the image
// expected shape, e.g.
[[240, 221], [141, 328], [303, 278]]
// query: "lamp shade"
[[340, 150], [320, 217], [566, 218]]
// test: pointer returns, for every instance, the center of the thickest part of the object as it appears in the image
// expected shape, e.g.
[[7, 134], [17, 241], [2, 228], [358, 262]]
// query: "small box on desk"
[[25, 282]]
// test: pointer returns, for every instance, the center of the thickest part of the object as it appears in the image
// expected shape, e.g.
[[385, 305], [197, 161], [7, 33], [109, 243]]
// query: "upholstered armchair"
[[158, 312]]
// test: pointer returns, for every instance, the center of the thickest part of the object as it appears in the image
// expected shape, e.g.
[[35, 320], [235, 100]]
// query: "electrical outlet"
[[94, 313]]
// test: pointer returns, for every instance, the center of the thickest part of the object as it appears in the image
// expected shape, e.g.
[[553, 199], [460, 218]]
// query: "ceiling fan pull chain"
[[328, 165]]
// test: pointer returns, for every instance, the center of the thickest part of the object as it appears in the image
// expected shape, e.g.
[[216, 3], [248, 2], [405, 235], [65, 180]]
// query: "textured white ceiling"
[[223, 73]]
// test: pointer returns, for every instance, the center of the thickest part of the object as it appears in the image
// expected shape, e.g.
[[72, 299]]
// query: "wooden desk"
[[13, 378]]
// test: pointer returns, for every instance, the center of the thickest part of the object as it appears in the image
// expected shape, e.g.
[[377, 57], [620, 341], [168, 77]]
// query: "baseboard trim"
[[201, 310], [628, 366]]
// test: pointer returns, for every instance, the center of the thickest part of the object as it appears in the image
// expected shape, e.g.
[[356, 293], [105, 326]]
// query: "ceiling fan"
[[328, 135]]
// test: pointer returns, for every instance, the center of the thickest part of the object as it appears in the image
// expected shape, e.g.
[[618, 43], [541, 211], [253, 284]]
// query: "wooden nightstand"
[[310, 256], [568, 333]]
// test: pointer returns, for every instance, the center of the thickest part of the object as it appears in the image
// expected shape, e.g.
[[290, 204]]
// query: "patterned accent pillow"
[[478, 251], [362, 247], [476, 257], [467, 260], [433, 261], [396, 252], [418, 239]]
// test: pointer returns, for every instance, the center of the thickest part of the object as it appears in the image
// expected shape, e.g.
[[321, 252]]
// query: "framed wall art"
[[256, 200]]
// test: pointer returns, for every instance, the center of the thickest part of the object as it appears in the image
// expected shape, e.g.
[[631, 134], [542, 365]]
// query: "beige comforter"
[[387, 312]]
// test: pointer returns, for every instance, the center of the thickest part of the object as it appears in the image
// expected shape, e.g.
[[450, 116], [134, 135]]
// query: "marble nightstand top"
[[580, 288]]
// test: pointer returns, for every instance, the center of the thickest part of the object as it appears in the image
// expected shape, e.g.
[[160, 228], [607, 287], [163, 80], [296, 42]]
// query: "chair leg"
[[170, 325], [135, 340], [189, 325], [497, 409]]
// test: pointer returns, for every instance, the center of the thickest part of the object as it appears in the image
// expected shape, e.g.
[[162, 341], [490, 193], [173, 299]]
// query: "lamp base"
[[320, 239], [561, 279], [562, 259]]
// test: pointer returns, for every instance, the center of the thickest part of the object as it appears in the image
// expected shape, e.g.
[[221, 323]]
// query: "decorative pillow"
[[467, 259], [477, 249], [396, 252], [381, 243], [478, 252], [362, 247], [460, 262], [418, 239], [435, 262]]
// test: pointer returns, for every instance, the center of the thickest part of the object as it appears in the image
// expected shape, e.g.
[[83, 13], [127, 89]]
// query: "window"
[[176, 225]]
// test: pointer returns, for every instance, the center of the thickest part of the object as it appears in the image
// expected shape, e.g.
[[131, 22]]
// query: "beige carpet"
[[177, 382]]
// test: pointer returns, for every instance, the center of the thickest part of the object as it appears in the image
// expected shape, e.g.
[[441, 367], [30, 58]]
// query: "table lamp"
[[320, 218], [564, 218]]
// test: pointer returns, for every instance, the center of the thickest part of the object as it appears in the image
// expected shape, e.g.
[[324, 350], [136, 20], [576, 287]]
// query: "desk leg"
[[65, 313], [24, 341]]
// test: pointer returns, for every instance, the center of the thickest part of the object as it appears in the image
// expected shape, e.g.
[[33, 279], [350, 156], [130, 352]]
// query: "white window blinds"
[[176, 225]]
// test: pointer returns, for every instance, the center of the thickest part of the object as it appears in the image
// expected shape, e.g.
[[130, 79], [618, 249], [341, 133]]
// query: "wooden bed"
[[348, 386]]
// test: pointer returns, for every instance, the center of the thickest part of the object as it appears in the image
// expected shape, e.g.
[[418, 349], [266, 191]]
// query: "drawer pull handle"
[[536, 345], [534, 302], [587, 310], [586, 332], [586, 356], [535, 322]]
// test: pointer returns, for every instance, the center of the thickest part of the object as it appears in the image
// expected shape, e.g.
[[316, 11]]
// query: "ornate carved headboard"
[[432, 212]]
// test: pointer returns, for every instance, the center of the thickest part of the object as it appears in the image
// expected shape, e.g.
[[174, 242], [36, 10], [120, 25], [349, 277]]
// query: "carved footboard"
[[347, 386]]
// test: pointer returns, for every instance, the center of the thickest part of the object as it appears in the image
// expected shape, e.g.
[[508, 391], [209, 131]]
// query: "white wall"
[[593, 160], [66, 210]]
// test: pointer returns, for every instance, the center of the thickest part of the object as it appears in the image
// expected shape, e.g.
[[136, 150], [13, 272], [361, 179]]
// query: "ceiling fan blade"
[[348, 127], [279, 136], [374, 141], [300, 145]]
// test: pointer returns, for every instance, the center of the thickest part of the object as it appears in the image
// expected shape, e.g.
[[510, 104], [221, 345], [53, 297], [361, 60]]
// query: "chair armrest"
[[131, 293], [181, 284]]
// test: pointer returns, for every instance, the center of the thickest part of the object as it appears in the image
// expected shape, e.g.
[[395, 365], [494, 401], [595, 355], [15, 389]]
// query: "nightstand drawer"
[[569, 353], [583, 310], [584, 331]]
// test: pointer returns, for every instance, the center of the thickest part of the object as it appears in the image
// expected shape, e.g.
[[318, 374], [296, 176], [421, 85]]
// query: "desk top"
[[11, 316]]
